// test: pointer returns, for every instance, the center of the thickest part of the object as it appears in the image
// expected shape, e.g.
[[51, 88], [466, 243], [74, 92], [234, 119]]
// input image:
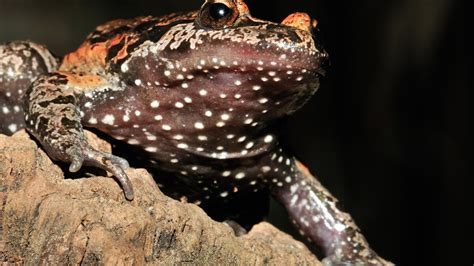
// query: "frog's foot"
[[336, 260], [111, 163], [52, 115]]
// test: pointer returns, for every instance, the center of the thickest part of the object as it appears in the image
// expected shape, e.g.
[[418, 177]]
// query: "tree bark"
[[47, 217]]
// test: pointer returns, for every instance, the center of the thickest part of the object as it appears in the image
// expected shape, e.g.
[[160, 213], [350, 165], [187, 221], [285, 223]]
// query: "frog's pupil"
[[219, 11]]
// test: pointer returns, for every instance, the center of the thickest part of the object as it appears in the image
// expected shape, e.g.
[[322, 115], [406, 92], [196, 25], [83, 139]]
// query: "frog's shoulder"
[[113, 41], [92, 55]]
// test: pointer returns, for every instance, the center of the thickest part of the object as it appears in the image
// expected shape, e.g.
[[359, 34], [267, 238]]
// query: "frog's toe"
[[78, 156], [120, 161], [77, 159], [113, 164]]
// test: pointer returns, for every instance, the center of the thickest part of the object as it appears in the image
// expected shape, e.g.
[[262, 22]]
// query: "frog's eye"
[[217, 15], [219, 11]]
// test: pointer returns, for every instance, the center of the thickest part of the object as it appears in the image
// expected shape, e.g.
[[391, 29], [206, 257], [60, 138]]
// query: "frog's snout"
[[303, 21], [299, 20]]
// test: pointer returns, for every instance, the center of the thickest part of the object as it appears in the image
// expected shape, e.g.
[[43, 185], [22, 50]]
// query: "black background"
[[388, 132]]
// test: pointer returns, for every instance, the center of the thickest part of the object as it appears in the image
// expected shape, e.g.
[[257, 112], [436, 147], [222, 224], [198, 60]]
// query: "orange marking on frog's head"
[[298, 20], [242, 7]]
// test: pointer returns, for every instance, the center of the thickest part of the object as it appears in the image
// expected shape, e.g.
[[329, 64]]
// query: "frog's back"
[[115, 40]]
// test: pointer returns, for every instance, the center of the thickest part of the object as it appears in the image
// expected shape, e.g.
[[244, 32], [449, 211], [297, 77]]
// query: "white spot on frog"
[[178, 137], [225, 117], [108, 119], [13, 127], [249, 145], [124, 67], [151, 149], [182, 146], [226, 173], [240, 175], [263, 100], [268, 139]]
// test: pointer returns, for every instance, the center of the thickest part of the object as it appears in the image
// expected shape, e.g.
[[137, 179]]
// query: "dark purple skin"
[[198, 103]]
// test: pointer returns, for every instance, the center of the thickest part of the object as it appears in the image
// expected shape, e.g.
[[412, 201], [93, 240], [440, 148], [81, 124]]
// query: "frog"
[[198, 96]]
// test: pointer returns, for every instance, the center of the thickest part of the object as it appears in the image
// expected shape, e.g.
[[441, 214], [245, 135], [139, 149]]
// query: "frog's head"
[[226, 60]]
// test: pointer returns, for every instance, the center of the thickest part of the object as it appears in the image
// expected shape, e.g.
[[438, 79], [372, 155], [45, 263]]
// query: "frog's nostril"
[[317, 37]]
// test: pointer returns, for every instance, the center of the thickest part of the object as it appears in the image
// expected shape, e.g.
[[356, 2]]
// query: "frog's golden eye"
[[217, 15]]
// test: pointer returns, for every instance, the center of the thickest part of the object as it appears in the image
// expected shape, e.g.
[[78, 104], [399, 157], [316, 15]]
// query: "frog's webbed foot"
[[52, 115], [111, 163], [316, 213], [335, 260]]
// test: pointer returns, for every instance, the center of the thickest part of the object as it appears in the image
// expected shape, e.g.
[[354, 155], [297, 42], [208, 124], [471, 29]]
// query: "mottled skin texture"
[[20, 64], [196, 95]]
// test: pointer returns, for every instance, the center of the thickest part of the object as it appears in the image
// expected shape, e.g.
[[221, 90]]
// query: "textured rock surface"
[[45, 218]]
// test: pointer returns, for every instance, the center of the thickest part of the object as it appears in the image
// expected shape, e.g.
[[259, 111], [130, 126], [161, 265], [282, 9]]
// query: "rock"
[[46, 217]]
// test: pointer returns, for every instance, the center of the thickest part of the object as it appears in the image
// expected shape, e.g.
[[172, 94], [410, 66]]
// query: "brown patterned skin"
[[195, 95], [20, 64]]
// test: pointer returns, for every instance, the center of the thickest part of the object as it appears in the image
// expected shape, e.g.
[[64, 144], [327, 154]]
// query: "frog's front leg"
[[53, 116], [314, 211]]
